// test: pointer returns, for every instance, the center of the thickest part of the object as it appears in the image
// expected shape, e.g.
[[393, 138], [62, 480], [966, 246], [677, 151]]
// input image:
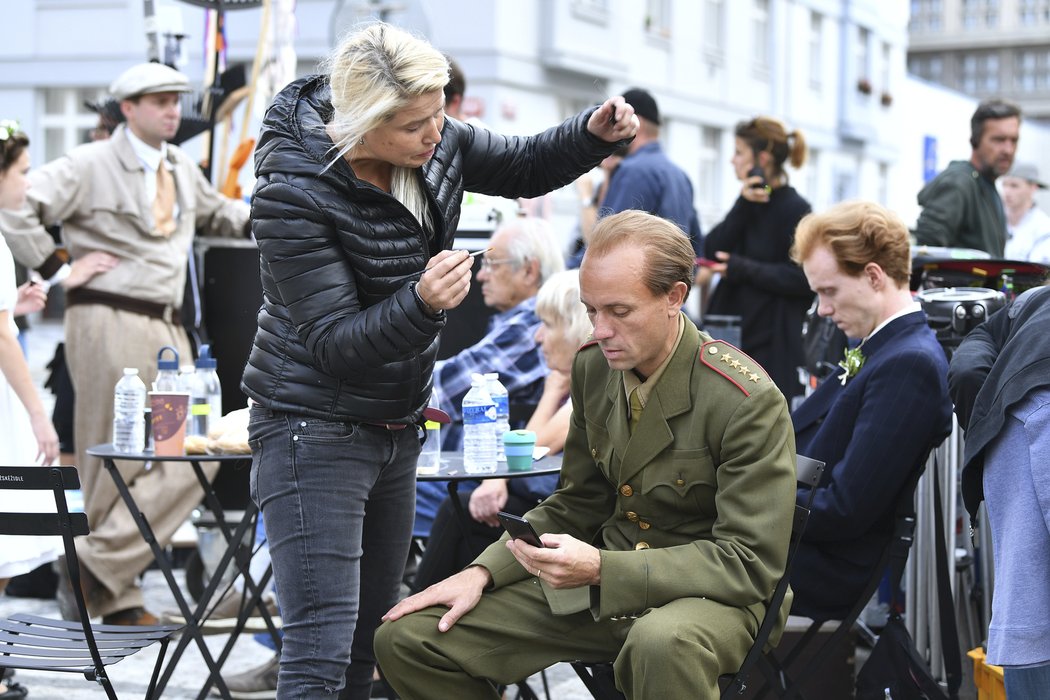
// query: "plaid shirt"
[[509, 348]]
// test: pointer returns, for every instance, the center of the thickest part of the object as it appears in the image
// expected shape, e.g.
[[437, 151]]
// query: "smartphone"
[[519, 528], [757, 171]]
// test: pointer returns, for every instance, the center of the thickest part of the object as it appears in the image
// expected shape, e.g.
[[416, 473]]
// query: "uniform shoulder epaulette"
[[586, 344], [730, 362]]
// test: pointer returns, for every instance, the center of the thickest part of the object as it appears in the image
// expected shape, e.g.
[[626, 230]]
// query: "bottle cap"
[[172, 364], [206, 361], [131, 370], [491, 375]]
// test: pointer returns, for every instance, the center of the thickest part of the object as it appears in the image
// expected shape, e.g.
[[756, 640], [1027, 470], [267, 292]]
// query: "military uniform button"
[[642, 545], [632, 516], [712, 350], [679, 482], [626, 490], [594, 453], [644, 525]]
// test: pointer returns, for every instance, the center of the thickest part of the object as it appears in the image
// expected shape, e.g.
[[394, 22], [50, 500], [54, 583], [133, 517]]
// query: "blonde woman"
[[355, 210]]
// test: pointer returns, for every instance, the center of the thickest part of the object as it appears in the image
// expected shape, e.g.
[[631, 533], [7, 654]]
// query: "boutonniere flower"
[[851, 363]]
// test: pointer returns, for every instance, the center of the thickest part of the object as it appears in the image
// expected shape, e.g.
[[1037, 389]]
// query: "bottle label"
[[200, 409], [484, 413]]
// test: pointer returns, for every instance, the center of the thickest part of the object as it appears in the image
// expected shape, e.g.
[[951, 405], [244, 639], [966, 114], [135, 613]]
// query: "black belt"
[[164, 312], [388, 426]]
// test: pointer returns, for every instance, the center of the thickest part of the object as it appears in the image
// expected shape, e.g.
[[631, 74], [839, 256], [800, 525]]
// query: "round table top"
[[106, 451], [452, 469]]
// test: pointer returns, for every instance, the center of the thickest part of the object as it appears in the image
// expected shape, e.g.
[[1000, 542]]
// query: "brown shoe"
[[67, 602], [131, 616]]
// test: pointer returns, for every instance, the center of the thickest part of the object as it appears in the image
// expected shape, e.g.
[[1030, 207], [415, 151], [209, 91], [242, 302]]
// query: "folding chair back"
[[896, 549], [32, 642], [598, 677], [809, 472]]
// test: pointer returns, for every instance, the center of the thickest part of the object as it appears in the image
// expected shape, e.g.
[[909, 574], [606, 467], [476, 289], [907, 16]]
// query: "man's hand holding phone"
[[562, 561]]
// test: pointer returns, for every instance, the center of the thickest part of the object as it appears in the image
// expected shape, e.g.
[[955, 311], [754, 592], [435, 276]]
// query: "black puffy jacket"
[[340, 334]]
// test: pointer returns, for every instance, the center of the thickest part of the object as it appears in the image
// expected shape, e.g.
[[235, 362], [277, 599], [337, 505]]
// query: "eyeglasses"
[[487, 263]]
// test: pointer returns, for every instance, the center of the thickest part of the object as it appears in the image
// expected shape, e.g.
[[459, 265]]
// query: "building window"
[[658, 18], [1032, 70], [980, 14], [65, 121], [887, 68], [862, 57], [927, 67], [710, 167], [1033, 12], [926, 16], [593, 10], [816, 41], [980, 73], [714, 27], [760, 37]]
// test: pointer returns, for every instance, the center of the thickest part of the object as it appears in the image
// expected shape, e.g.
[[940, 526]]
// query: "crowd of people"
[[655, 557]]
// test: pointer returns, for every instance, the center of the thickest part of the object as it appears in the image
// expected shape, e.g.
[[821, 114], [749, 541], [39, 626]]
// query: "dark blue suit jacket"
[[873, 434]]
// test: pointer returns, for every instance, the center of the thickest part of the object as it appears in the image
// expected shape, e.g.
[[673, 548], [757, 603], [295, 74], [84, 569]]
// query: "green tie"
[[636, 408]]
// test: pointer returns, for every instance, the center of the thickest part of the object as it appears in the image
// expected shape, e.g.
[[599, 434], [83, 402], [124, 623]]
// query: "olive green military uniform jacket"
[[698, 502]]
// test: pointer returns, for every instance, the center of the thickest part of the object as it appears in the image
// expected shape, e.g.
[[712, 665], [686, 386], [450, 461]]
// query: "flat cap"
[[643, 103], [1027, 171], [147, 79]]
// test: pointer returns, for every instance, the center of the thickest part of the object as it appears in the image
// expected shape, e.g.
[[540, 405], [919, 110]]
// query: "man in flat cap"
[[129, 207], [647, 179], [1027, 226]]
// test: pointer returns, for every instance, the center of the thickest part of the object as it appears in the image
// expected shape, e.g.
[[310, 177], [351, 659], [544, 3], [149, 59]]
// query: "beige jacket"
[[98, 193]]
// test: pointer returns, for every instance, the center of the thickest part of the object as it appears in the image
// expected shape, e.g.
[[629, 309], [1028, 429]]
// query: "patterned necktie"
[[636, 408], [163, 208]]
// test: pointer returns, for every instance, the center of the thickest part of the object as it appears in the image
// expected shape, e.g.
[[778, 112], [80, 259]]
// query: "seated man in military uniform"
[[669, 529]]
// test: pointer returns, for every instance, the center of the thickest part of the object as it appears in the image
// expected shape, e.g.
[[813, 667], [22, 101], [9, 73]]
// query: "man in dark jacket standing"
[[647, 180], [961, 207]]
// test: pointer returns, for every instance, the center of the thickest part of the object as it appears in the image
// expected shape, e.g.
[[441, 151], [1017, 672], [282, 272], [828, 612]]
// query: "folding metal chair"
[[896, 552], [39, 643], [598, 678]]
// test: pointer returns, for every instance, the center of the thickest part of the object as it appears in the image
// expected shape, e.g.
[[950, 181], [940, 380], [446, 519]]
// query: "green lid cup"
[[517, 445]]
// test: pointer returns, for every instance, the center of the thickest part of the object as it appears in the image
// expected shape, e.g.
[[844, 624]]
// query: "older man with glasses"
[[523, 254]]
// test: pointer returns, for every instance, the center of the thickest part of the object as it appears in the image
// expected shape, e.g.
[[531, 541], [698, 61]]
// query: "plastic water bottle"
[[208, 378], [479, 429], [430, 456], [499, 395], [197, 418], [129, 417], [167, 371]]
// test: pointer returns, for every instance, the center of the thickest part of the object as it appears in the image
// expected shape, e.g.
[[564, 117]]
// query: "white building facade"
[[834, 69]]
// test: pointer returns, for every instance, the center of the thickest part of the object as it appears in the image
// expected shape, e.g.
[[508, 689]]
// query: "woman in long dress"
[[26, 433]]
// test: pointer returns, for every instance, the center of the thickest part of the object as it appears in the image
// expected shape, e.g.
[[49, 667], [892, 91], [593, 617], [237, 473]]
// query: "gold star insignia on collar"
[[754, 377], [735, 363], [726, 357], [743, 369]]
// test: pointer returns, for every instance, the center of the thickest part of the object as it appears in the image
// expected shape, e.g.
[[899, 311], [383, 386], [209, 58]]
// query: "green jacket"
[[699, 503], [961, 210]]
